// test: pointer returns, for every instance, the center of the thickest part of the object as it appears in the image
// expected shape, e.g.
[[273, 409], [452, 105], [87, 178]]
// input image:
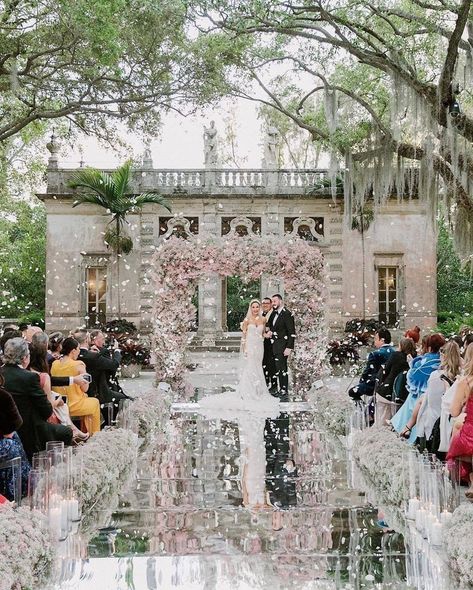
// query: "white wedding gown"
[[251, 394], [249, 405]]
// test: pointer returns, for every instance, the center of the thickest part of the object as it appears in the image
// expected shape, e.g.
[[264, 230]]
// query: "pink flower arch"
[[179, 264]]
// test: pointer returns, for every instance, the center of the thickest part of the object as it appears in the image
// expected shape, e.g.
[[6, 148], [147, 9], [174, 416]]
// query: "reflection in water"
[[245, 503]]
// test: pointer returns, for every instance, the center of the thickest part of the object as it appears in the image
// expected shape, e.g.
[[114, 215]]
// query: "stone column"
[[272, 227], [210, 320]]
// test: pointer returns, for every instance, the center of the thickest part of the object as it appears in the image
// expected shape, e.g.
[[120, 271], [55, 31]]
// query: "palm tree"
[[113, 192]]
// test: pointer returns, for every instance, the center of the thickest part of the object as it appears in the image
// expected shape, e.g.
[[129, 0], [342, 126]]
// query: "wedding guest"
[[10, 444], [39, 365], [54, 346], [447, 423], [437, 385], [413, 334], [376, 359], [417, 378], [8, 335], [386, 404], [461, 446], [101, 366], [30, 332], [79, 403], [32, 404]]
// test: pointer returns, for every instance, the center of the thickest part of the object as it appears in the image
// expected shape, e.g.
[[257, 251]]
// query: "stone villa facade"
[[389, 270]]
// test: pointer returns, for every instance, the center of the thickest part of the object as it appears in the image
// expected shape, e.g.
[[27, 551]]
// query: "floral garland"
[[331, 407], [26, 551], [179, 265], [107, 458], [456, 536], [380, 454]]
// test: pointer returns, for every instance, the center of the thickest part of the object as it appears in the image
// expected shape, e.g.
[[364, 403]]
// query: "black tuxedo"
[[269, 367], [102, 366], [283, 328], [34, 408]]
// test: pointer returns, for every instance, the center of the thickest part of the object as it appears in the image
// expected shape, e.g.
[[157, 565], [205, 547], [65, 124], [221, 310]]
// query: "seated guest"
[[30, 332], [54, 346], [101, 365], [80, 404], [447, 423], [413, 334], [32, 404], [431, 403], [8, 335], [376, 359], [417, 378], [461, 446], [385, 398], [39, 365], [10, 444]]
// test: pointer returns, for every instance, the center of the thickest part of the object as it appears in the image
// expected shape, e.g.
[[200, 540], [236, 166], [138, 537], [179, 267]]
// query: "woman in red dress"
[[461, 445]]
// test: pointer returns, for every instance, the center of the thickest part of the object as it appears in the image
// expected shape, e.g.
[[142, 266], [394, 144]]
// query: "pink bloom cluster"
[[178, 266]]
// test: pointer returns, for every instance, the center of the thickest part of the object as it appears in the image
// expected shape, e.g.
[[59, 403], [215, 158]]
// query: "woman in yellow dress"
[[80, 404]]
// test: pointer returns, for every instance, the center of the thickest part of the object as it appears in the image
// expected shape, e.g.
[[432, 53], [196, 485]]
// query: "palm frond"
[[121, 178], [145, 198], [99, 183]]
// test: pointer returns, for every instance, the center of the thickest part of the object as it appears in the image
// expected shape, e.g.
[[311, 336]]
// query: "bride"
[[251, 393]]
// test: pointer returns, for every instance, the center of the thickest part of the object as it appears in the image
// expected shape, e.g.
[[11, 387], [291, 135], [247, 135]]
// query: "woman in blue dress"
[[417, 378], [10, 446]]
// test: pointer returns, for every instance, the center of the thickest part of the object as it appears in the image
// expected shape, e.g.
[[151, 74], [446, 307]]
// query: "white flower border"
[[457, 539], [332, 408], [26, 552]]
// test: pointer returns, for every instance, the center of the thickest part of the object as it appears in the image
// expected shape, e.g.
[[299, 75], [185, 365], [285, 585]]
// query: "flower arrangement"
[[178, 265], [134, 353], [119, 328], [331, 405], [340, 352], [108, 458], [26, 551], [456, 535], [148, 416], [380, 454]]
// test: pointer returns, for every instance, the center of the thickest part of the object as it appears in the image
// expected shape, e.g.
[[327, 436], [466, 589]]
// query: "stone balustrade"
[[211, 181]]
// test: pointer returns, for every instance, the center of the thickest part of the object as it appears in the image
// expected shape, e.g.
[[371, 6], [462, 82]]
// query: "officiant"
[[269, 367]]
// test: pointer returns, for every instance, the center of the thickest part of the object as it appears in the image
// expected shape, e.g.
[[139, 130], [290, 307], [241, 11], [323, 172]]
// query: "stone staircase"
[[229, 342]]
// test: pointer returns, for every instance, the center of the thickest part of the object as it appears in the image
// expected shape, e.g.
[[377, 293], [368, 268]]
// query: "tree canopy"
[[94, 62], [384, 86]]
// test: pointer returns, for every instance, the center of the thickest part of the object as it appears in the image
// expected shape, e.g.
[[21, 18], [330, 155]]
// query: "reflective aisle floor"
[[247, 504]]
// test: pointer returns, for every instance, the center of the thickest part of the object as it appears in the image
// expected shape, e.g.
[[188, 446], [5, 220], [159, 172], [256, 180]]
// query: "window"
[[388, 295], [242, 225], [307, 228], [96, 282]]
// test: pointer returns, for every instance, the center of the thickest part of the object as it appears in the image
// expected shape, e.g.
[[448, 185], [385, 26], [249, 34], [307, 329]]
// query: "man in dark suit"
[[268, 359], [31, 401], [101, 364], [281, 333]]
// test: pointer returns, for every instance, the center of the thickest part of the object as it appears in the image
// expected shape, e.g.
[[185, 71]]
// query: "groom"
[[281, 332]]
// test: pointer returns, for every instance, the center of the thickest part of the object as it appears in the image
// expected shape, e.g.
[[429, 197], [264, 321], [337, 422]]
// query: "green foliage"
[[22, 259], [98, 62], [239, 295], [454, 284]]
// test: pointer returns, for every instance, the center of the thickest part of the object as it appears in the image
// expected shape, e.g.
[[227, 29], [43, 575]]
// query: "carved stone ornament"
[[310, 223], [241, 222], [180, 222]]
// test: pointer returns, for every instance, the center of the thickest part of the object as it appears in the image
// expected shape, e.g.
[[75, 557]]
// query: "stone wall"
[[400, 235]]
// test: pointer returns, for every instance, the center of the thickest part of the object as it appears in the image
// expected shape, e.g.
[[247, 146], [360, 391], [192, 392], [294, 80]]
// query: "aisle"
[[184, 525]]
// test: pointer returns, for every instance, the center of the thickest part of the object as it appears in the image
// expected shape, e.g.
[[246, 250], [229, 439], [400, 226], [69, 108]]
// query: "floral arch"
[[179, 264]]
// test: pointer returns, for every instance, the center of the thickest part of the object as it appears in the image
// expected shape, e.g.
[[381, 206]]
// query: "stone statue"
[[271, 145], [210, 145], [147, 158]]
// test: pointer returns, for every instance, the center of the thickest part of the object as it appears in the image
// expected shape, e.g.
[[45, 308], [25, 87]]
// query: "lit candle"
[[436, 533], [414, 505], [64, 515], [74, 509], [445, 516], [55, 521], [420, 519]]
